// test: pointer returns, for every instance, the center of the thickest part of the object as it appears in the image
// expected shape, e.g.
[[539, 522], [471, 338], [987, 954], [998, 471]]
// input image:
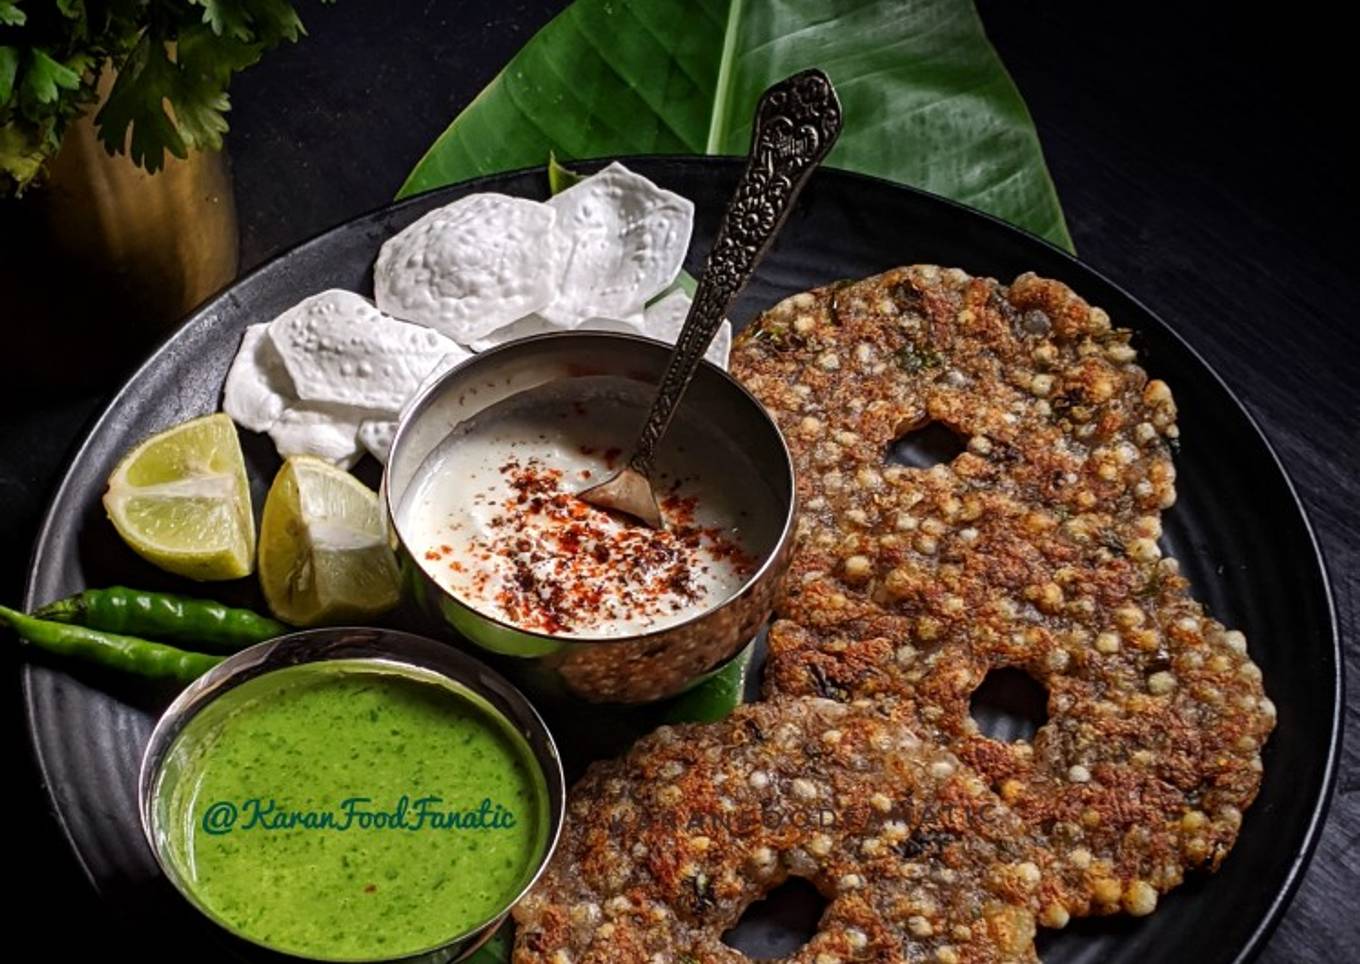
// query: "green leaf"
[[559, 177], [927, 100], [9, 66], [21, 155], [10, 14], [715, 697], [497, 949], [44, 75], [206, 63], [137, 101], [252, 21]]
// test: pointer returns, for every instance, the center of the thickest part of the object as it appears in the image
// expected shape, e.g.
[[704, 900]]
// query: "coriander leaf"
[[44, 75], [136, 101], [206, 64], [9, 66], [10, 14], [259, 21], [20, 155]]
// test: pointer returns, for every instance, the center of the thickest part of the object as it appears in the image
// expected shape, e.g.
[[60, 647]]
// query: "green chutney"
[[350, 810]]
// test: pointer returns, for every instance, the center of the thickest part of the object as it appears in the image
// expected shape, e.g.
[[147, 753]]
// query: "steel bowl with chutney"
[[352, 794], [722, 444]]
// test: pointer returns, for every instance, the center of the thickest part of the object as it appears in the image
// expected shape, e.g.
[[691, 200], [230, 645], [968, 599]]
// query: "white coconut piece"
[[340, 350], [623, 241], [538, 325], [329, 432], [258, 386], [472, 266], [664, 319], [376, 437]]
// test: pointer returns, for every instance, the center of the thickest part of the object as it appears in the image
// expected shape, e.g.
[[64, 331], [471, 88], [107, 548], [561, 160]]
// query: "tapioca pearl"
[[804, 789], [920, 926], [857, 569], [1143, 550], [763, 860], [1146, 640], [895, 831], [1139, 898], [1054, 916], [1047, 597], [1129, 617], [826, 453], [869, 478], [934, 527], [850, 882], [942, 769], [1161, 683], [1107, 891]]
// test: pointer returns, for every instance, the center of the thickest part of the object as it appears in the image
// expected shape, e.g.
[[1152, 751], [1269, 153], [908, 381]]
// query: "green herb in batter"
[[913, 359]]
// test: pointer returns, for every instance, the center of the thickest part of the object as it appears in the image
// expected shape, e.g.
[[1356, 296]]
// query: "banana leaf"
[[927, 100]]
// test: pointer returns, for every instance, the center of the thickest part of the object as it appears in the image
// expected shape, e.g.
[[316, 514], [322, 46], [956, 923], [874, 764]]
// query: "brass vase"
[[102, 259]]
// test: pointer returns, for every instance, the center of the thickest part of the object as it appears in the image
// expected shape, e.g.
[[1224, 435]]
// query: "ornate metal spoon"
[[796, 122]]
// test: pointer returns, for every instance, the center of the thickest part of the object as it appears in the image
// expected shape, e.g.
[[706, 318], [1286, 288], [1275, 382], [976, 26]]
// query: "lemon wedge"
[[324, 555], [181, 500]]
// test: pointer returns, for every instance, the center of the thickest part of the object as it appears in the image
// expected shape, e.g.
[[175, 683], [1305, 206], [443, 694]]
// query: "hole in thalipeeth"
[[930, 444], [1009, 705], [780, 923]]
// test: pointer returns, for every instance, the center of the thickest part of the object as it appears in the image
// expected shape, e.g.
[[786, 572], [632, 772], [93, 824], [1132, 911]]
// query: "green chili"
[[126, 653], [200, 623]]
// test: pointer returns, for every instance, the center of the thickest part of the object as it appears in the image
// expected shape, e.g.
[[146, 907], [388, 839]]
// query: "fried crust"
[[665, 848], [1036, 547]]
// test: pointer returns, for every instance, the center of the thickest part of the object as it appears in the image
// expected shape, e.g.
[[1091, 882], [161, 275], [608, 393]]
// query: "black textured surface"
[[1237, 529], [1200, 158]]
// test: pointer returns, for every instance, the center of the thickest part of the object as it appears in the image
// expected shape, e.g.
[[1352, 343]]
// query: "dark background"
[[1200, 155]]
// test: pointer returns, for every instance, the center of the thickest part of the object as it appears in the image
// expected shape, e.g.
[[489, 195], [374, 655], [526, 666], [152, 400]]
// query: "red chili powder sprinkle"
[[567, 565]]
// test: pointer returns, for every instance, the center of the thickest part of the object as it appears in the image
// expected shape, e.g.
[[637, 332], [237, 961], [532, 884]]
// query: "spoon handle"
[[796, 123]]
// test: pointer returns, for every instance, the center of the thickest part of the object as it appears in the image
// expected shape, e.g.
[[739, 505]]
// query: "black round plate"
[[1238, 529]]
